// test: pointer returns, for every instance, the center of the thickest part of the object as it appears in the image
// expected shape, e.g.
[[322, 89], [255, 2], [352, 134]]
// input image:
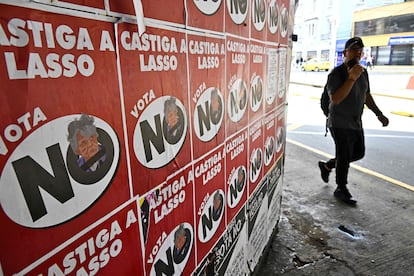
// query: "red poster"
[[255, 157], [168, 226], [237, 72], [257, 79], [272, 75], [154, 80], [280, 131], [111, 246], [258, 13], [207, 89], [99, 4], [61, 143], [160, 9], [237, 19], [210, 200], [269, 153], [236, 172], [206, 14], [273, 21]]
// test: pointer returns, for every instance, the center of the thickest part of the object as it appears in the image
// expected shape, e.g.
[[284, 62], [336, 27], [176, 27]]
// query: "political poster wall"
[[141, 137]]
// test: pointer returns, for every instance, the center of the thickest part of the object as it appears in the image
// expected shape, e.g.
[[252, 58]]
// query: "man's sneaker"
[[324, 171], [344, 195]]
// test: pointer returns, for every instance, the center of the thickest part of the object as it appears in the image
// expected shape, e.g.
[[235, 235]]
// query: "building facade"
[[388, 33], [323, 26]]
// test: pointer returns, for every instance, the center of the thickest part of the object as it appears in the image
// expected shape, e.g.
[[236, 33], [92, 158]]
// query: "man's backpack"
[[325, 101], [325, 106]]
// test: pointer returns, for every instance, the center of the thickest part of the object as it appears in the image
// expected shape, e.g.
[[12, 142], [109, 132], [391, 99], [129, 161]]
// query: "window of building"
[[310, 54], [400, 55], [325, 55], [311, 29], [383, 55], [385, 25]]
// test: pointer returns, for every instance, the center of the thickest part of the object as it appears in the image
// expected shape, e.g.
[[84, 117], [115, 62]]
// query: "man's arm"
[[370, 103]]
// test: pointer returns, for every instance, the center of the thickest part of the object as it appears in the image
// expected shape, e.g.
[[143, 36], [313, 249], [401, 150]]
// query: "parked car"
[[315, 64]]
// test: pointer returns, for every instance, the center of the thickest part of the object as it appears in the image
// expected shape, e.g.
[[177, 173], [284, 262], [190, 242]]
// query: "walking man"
[[348, 89]]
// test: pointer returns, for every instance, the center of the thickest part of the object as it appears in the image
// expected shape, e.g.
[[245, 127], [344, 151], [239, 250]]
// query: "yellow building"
[[387, 32]]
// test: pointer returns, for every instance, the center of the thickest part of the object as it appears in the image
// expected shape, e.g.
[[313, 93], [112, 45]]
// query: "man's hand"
[[384, 120], [355, 72]]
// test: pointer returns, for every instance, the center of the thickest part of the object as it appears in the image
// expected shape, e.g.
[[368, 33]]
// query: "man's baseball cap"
[[355, 41]]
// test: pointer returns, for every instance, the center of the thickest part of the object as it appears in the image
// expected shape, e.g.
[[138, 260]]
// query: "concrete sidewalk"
[[318, 235]]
